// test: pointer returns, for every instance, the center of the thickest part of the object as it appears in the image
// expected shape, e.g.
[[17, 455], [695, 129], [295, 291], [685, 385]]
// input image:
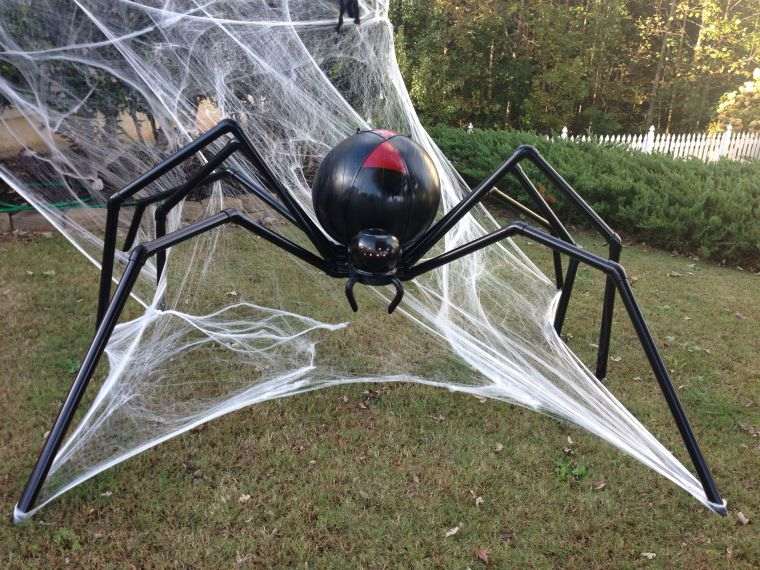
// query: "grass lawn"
[[354, 477]]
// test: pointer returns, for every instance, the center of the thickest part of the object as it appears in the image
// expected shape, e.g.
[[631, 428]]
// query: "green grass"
[[374, 476]]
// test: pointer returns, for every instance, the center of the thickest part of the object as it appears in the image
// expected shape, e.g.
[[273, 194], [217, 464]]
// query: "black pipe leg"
[[666, 386], [608, 309], [605, 330], [115, 202], [161, 255], [137, 258], [107, 262], [564, 299], [241, 142], [559, 278], [89, 364], [617, 275]]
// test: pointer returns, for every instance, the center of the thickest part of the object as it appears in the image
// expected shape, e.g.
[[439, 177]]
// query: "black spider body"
[[376, 192]]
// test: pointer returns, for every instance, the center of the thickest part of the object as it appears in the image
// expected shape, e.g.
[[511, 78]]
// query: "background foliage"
[[711, 209], [593, 65], [601, 65], [741, 108]]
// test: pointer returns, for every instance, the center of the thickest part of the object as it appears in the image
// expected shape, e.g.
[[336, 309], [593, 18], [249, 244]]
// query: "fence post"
[[725, 141], [564, 133], [649, 141]]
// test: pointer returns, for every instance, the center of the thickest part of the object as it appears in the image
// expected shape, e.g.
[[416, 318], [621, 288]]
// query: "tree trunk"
[[660, 69]]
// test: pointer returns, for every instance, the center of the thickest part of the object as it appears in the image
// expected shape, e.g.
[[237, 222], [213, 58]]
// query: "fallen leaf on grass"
[[740, 316], [452, 531], [482, 555], [599, 485], [649, 555], [742, 519]]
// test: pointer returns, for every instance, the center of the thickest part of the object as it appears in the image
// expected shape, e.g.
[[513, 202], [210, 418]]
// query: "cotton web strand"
[[108, 89]]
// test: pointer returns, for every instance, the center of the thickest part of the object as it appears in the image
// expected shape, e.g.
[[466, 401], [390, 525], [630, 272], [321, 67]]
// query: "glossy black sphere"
[[374, 251], [376, 180]]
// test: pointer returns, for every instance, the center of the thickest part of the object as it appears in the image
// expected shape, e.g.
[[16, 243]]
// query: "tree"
[[740, 108], [598, 65]]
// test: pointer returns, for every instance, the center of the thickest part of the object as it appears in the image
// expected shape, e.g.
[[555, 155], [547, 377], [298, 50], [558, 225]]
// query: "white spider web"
[[242, 322]]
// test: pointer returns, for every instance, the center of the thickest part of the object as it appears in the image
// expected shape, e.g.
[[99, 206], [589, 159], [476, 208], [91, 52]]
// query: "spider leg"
[[352, 280], [350, 293], [340, 15], [317, 237], [117, 200], [137, 259], [221, 174], [399, 295], [225, 127], [195, 180], [181, 192], [512, 167], [353, 11], [616, 274]]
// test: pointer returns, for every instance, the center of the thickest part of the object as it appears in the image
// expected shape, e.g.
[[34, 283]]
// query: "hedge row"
[[712, 209]]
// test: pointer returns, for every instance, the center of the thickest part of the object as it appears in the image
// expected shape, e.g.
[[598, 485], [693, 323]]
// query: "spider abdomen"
[[376, 180]]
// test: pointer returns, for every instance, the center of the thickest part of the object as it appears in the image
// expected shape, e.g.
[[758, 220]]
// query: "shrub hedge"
[[711, 209]]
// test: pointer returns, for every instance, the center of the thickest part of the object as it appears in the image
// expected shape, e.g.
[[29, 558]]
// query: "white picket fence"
[[702, 146]]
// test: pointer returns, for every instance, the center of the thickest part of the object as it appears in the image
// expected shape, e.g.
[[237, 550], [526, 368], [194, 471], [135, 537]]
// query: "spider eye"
[[375, 251]]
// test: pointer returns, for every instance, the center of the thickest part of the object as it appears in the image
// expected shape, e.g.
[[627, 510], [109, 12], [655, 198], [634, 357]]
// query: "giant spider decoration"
[[390, 187]]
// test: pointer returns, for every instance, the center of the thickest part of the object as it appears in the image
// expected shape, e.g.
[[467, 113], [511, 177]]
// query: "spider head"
[[374, 252]]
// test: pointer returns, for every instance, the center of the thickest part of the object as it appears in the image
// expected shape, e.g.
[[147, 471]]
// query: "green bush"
[[712, 209]]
